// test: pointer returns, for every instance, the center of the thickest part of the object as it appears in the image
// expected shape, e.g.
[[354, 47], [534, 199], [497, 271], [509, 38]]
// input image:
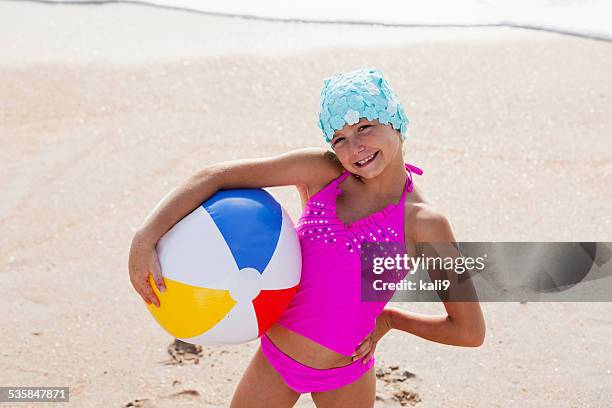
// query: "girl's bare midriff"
[[298, 347], [305, 351]]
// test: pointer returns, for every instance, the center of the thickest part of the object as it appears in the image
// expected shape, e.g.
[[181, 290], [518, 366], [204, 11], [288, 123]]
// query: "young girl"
[[361, 191]]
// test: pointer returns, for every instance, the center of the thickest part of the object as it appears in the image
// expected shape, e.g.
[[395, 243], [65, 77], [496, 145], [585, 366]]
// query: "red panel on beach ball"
[[269, 306]]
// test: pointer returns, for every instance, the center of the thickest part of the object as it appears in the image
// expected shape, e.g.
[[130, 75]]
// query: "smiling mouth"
[[366, 161]]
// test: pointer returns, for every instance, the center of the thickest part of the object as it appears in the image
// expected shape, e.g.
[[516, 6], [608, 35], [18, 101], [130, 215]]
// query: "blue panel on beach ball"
[[250, 221]]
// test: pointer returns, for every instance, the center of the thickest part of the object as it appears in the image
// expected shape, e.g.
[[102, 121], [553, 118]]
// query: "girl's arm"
[[303, 168], [464, 323]]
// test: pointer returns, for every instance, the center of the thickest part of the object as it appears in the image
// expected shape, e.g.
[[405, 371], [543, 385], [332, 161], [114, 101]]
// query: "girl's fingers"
[[149, 294], [362, 350], [358, 356], [361, 347], [143, 264], [361, 355], [156, 273], [369, 355]]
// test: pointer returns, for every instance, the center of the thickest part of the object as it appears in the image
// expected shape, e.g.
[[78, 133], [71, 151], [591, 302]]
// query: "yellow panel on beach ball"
[[188, 311]]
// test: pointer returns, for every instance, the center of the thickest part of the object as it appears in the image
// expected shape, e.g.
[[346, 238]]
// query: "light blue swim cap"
[[363, 93]]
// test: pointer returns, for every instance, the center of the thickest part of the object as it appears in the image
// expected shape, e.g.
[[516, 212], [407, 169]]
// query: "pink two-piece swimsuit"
[[327, 307]]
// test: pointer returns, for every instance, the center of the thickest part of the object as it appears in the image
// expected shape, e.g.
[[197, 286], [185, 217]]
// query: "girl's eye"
[[337, 140], [363, 127]]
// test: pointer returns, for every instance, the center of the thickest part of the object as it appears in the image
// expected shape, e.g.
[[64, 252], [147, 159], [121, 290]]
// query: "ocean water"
[[586, 18]]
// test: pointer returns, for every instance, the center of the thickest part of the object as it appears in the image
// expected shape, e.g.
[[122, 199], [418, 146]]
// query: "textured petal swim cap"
[[363, 93]]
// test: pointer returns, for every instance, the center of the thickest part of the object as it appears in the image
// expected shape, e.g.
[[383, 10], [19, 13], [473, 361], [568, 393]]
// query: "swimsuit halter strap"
[[341, 178], [409, 183]]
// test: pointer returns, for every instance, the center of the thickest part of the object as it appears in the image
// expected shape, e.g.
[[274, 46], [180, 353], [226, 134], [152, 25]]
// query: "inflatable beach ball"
[[230, 268]]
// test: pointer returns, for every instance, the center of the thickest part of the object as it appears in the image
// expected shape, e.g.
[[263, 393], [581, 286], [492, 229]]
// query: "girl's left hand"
[[368, 345]]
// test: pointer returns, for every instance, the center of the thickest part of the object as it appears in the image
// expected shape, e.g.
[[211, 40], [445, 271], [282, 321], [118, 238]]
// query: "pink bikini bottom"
[[304, 379]]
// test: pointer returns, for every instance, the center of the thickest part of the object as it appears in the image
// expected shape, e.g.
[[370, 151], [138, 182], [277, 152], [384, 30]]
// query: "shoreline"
[[63, 37], [488, 15]]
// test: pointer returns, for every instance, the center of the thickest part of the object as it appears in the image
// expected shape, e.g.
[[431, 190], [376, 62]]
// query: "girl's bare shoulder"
[[424, 222]]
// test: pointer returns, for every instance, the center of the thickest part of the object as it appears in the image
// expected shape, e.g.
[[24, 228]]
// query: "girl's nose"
[[356, 145]]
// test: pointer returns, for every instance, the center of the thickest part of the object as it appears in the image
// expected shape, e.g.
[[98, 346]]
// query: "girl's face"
[[367, 147]]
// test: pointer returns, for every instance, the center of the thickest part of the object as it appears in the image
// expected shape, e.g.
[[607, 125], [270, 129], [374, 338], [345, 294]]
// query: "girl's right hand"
[[143, 261]]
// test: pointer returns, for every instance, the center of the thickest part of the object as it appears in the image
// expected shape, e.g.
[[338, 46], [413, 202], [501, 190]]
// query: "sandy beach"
[[103, 109]]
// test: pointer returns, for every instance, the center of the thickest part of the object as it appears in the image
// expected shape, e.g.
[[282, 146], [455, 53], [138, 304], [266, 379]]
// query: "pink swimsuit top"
[[327, 306]]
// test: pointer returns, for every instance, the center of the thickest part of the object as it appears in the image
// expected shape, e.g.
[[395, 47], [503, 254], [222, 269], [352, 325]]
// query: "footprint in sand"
[[400, 391], [392, 374], [406, 397], [181, 352]]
